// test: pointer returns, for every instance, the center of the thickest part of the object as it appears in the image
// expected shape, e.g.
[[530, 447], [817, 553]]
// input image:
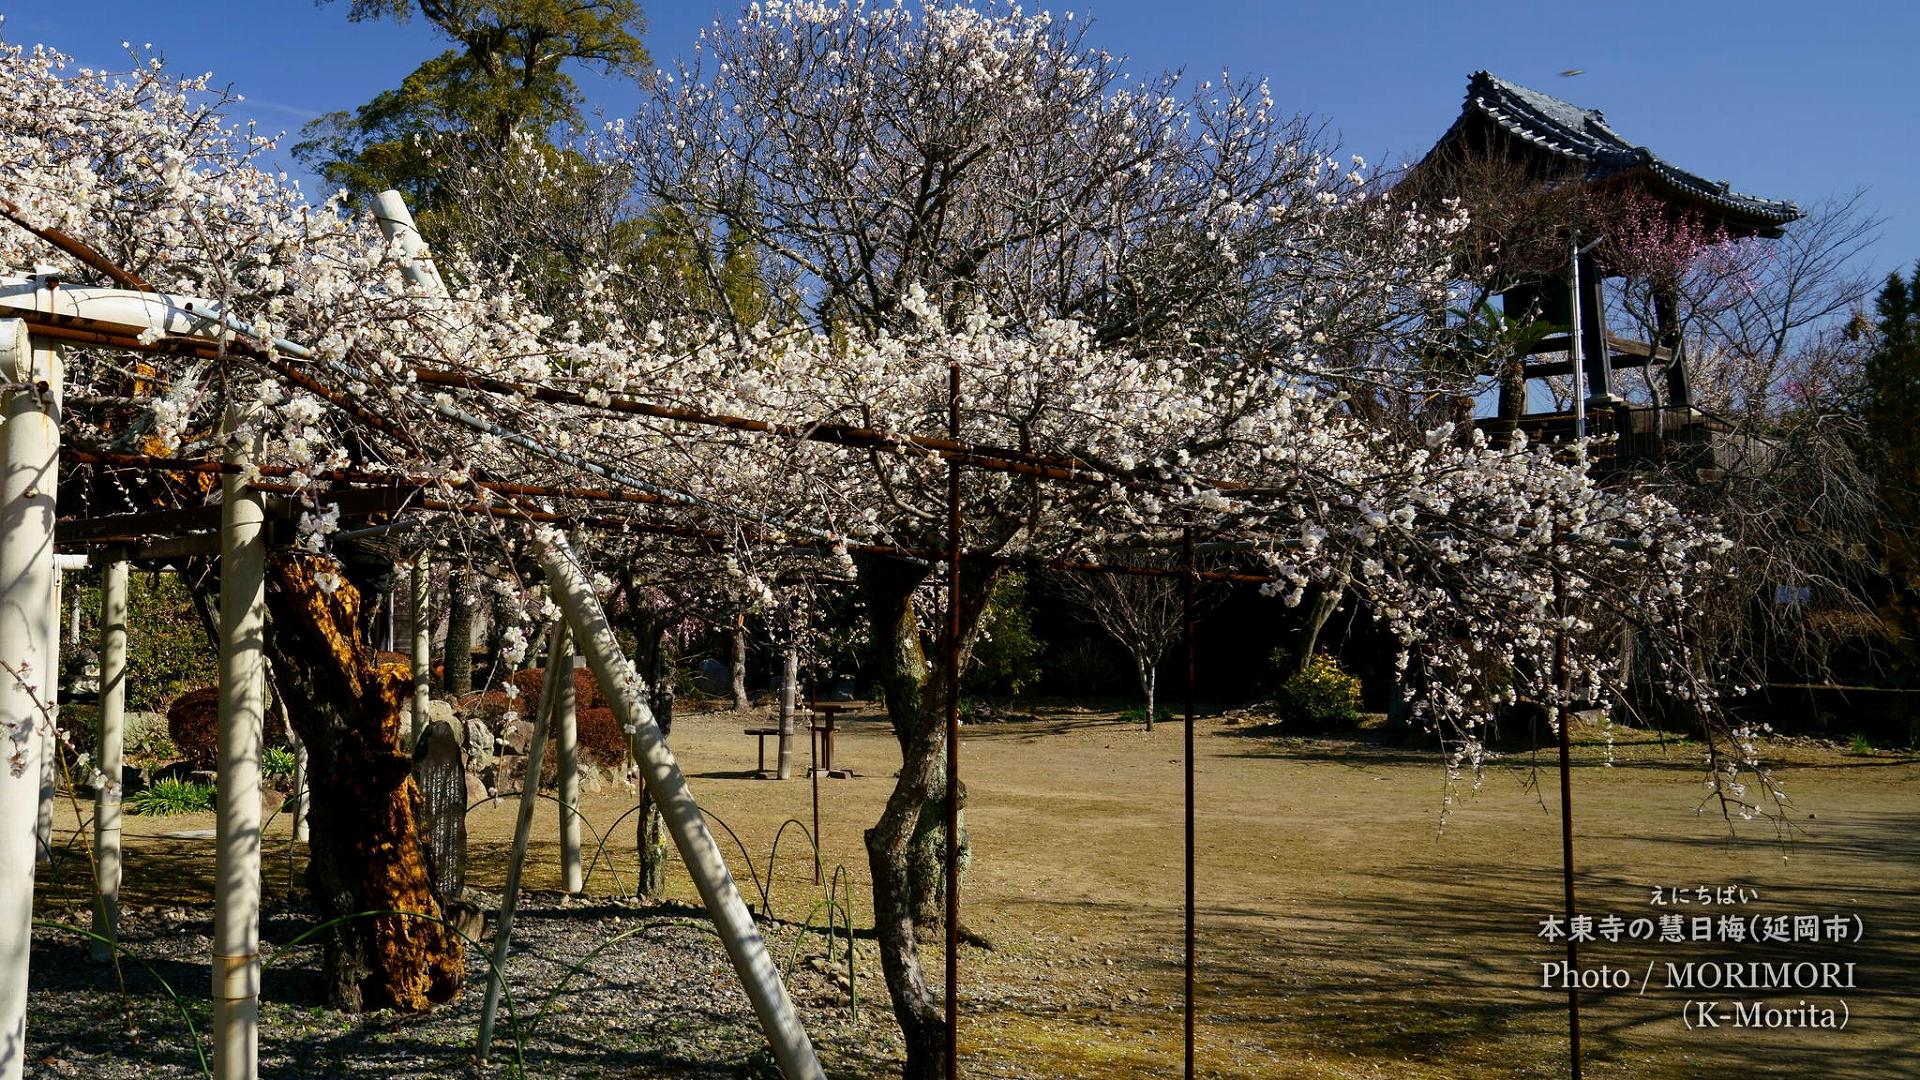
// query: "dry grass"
[[1343, 931]]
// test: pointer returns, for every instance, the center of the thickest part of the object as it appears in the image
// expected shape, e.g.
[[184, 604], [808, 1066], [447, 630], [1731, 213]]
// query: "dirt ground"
[[1344, 931]]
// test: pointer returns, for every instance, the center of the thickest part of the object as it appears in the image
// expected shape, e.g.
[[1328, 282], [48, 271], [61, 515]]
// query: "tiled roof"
[[1582, 135]]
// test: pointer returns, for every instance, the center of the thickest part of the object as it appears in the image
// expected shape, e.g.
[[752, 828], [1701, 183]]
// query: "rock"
[[516, 738], [712, 677], [593, 779], [438, 711], [512, 770], [479, 745], [476, 789]]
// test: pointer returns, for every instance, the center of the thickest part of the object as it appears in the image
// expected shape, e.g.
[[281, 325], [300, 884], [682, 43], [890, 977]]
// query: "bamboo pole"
[[106, 798], [243, 695], [559, 644], [789, 674], [29, 463], [680, 814]]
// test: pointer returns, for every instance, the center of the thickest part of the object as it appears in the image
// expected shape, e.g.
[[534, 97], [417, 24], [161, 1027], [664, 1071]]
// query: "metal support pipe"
[[106, 798], [1186, 612], [559, 663], [29, 466], [567, 742], [243, 699], [625, 690], [419, 609], [952, 658]]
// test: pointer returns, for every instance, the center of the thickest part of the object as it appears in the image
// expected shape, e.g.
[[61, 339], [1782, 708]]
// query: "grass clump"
[[172, 796]]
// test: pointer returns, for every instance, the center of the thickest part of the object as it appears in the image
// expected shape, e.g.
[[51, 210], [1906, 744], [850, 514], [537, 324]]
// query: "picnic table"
[[825, 732]]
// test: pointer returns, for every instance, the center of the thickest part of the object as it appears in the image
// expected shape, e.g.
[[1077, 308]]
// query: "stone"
[[712, 677], [479, 746], [442, 776], [440, 712], [476, 789], [516, 738]]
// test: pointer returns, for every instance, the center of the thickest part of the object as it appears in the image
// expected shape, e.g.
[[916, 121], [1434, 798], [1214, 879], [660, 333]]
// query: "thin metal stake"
[[953, 731], [1187, 614], [1566, 824]]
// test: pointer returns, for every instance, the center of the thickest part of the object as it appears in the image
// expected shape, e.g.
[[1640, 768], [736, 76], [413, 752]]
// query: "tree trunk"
[[650, 834], [908, 888], [1149, 681], [458, 665], [1319, 607], [351, 710], [740, 702]]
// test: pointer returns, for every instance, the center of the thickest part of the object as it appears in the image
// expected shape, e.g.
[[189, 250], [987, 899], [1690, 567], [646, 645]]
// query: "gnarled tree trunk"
[[458, 666], [350, 706], [908, 886]]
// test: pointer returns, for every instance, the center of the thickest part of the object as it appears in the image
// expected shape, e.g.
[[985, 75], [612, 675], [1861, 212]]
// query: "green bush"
[[168, 651], [1006, 655], [1320, 698], [172, 797], [276, 765], [1138, 715]]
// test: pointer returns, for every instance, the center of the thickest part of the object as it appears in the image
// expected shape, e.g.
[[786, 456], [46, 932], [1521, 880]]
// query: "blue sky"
[[1785, 100]]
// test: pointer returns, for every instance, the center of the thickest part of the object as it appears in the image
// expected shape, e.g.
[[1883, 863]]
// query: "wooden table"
[[830, 711]]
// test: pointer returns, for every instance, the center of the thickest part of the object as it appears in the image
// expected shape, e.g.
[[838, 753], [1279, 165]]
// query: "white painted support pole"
[[566, 737], [789, 674], [29, 460], [680, 814], [243, 698], [559, 648], [420, 610], [106, 798]]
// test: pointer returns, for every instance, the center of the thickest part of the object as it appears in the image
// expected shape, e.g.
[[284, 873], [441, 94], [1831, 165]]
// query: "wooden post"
[[106, 798], [29, 464], [50, 702], [421, 611], [243, 698], [567, 742]]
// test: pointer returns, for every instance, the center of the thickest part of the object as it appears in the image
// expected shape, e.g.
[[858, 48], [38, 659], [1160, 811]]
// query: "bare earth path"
[[1343, 932]]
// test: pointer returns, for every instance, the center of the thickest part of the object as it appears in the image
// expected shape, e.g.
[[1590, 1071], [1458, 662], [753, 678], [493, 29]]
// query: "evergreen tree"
[[506, 75]]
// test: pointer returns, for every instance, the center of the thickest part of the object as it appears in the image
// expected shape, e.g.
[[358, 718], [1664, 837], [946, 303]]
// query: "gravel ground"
[[662, 1002]]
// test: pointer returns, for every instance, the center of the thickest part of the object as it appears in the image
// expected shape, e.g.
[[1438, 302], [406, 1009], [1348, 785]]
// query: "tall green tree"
[[1891, 407], [1893, 395], [505, 74]]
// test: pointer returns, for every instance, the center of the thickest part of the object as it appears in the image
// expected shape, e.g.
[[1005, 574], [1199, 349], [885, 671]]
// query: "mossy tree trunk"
[[458, 665], [906, 848], [350, 708]]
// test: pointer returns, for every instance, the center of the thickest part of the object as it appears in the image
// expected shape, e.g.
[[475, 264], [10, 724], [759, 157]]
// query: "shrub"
[[193, 723], [1320, 698], [276, 766], [1006, 655], [1138, 715], [172, 796]]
